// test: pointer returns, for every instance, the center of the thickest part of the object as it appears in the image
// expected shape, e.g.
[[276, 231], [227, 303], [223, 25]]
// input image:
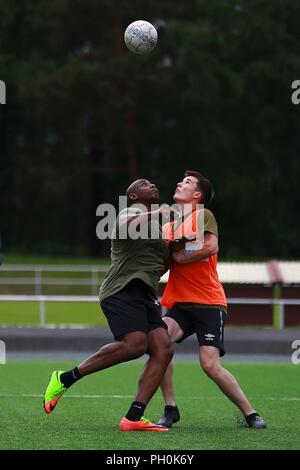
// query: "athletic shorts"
[[207, 323], [133, 308]]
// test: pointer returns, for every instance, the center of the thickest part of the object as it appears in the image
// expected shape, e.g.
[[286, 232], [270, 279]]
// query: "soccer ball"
[[140, 37]]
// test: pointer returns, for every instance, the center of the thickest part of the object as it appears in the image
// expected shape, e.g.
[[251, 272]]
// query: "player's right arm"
[[208, 226], [209, 248], [128, 217]]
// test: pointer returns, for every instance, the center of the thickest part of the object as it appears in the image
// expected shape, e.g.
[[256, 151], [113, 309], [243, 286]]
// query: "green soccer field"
[[56, 313], [88, 415]]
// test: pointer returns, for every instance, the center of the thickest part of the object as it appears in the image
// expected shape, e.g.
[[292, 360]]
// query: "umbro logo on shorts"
[[209, 337]]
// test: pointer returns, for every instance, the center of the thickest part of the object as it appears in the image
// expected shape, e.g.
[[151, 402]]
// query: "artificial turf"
[[88, 415]]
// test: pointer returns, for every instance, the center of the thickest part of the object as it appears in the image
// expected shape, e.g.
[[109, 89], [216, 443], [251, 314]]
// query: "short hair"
[[204, 185], [132, 188]]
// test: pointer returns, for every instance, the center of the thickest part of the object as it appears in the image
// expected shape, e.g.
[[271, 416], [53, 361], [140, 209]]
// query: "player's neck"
[[187, 207]]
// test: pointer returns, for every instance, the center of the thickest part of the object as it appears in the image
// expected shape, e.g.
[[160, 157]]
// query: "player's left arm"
[[209, 248], [174, 245]]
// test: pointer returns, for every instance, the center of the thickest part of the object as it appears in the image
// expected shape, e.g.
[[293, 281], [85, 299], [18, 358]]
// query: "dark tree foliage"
[[84, 117]]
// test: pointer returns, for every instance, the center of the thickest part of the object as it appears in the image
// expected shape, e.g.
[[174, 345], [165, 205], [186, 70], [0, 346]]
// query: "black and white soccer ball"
[[140, 37]]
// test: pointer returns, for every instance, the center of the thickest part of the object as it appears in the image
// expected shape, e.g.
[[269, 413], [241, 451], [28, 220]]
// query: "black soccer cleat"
[[170, 416], [255, 421]]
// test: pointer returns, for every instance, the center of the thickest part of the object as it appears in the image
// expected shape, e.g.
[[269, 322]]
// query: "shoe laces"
[[145, 420], [62, 389]]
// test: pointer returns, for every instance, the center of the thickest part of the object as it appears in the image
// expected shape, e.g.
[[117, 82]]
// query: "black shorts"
[[207, 323], [133, 308]]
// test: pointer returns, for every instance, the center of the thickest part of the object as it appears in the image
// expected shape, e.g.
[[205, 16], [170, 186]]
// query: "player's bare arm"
[[174, 246], [209, 248], [126, 219]]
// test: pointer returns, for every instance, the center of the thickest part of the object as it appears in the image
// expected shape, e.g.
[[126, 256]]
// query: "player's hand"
[[176, 245], [164, 212], [178, 256]]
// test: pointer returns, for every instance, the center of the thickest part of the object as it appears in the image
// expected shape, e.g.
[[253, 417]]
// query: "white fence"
[[38, 281], [42, 299]]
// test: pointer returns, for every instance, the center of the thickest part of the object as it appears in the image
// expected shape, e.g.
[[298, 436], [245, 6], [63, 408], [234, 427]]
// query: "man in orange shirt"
[[195, 297]]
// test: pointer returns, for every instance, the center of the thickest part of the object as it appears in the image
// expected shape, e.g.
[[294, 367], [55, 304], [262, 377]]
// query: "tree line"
[[84, 117]]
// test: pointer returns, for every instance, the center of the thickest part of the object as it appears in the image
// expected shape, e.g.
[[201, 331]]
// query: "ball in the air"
[[140, 37]]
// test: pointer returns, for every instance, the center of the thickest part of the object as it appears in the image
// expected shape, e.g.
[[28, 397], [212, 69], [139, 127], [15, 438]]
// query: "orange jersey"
[[195, 282]]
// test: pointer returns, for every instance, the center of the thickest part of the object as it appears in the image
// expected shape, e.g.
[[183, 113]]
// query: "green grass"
[[27, 313], [92, 422]]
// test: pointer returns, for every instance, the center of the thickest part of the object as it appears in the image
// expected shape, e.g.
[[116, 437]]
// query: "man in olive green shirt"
[[128, 299]]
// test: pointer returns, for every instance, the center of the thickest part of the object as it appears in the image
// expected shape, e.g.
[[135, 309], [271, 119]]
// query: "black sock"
[[70, 377], [136, 411], [170, 408], [248, 417]]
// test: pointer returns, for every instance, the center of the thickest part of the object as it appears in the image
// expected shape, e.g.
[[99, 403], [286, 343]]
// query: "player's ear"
[[133, 197], [198, 196]]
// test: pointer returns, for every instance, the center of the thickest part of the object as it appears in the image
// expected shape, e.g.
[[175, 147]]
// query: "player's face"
[[147, 191], [187, 191]]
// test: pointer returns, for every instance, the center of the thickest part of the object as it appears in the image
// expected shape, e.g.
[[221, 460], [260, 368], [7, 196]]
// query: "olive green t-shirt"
[[130, 259]]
